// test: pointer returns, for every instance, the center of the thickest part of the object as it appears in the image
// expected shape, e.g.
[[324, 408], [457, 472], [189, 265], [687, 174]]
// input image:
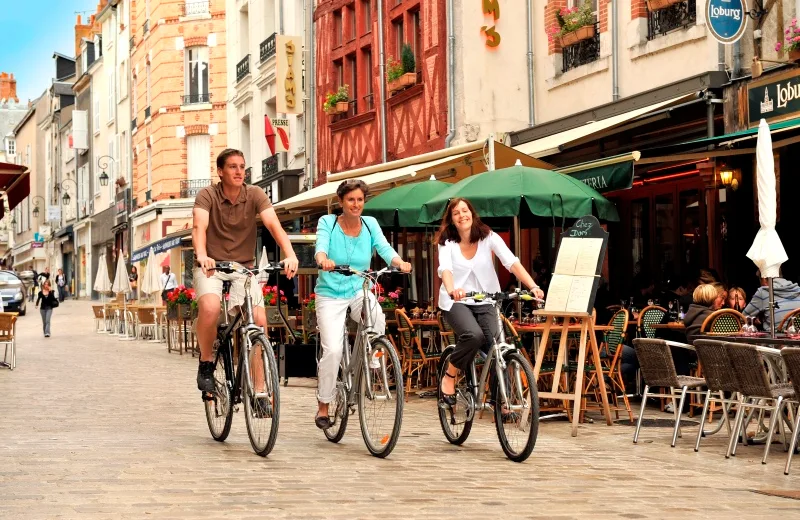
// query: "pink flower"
[[778, 47], [381, 299], [393, 295], [796, 38]]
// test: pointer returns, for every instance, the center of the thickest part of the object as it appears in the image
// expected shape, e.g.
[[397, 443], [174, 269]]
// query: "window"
[[11, 147], [149, 168], [122, 146], [196, 77], [300, 132], [339, 73], [416, 42], [84, 57], [198, 154], [366, 10], [98, 46], [134, 98], [399, 38], [369, 102], [147, 72], [353, 75], [96, 108], [122, 82], [111, 97], [351, 21], [337, 28]]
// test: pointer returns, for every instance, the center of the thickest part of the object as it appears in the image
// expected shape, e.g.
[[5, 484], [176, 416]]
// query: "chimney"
[[8, 88]]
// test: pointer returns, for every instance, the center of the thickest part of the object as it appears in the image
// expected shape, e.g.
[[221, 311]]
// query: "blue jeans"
[[46, 315]]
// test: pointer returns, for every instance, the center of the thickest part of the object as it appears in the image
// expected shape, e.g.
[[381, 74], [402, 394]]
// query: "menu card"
[[579, 256], [569, 293], [577, 269]]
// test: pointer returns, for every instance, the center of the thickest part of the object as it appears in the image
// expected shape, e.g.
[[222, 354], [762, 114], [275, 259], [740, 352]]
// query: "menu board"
[[577, 270]]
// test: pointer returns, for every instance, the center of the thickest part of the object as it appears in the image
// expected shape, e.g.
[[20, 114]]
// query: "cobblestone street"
[[93, 427]]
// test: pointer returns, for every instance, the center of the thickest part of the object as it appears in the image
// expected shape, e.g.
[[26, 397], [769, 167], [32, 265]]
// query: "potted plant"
[[310, 313], [336, 102], [394, 71], [388, 301], [409, 66], [271, 295], [792, 45], [574, 25], [181, 303]]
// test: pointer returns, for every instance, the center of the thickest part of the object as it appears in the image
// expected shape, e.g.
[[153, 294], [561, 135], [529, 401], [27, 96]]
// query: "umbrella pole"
[[155, 320], [772, 307], [125, 336]]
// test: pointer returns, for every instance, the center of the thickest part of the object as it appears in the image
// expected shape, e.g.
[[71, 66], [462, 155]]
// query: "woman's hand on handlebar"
[[327, 265], [207, 265], [458, 294], [538, 292], [405, 267]]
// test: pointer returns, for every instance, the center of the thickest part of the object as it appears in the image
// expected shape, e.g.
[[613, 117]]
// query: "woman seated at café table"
[[706, 299]]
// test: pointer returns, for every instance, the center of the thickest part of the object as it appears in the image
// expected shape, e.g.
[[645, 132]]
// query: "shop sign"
[[607, 178], [54, 213], [36, 245], [157, 247], [726, 19], [774, 98], [289, 71], [491, 8]]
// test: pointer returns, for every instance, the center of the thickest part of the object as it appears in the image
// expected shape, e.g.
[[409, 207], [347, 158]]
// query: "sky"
[[32, 31]]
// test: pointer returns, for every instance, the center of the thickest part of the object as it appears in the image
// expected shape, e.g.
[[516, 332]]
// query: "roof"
[[9, 117], [59, 55], [61, 88]]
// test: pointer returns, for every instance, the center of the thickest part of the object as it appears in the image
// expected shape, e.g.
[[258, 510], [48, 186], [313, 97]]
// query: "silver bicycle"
[[507, 376], [253, 380], [370, 377]]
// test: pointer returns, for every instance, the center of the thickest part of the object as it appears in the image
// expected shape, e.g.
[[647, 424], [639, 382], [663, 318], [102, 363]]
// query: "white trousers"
[[331, 320]]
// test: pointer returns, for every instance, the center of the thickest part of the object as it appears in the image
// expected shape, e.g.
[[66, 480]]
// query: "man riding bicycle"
[[224, 229]]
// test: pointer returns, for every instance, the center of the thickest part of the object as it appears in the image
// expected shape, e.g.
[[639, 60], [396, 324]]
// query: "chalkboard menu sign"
[[304, 246]]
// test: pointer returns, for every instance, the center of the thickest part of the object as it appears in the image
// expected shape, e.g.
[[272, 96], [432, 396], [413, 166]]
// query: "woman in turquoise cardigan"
[[348, 239]]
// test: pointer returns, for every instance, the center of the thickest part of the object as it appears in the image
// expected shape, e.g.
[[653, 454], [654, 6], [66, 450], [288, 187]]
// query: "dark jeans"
[[46, 315], [474, 327], [62, 293]]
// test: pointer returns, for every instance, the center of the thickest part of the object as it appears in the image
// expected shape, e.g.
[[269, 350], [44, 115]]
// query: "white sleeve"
[[502, 251], [445, 258]]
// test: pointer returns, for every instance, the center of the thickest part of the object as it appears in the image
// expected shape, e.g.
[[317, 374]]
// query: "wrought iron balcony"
[[677, 16], [193, 99], [146, 27], [248, 175], [195, 7], [190, 188], [267, 48], [269, 166], [369, 102], [243, 68], [133, 124], [146, 112], [582, 52]]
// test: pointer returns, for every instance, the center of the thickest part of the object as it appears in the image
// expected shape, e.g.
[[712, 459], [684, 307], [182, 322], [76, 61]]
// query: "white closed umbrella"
[[102, 283], [151, 284], [263, 262], [767, 251], [122, 285]]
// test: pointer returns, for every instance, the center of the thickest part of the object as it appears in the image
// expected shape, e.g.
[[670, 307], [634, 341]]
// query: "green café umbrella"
[[403, 203], [524, 192]]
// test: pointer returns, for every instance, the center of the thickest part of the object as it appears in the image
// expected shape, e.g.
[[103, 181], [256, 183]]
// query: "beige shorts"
[[213, 285]]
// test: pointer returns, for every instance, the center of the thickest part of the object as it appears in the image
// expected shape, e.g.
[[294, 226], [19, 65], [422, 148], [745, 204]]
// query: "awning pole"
[[491, 153]]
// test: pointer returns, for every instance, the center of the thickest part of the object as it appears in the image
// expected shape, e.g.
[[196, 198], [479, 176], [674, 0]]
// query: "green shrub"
[[409, 62]]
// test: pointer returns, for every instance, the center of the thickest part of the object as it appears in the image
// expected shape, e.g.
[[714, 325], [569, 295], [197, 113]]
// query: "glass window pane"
[[665, 235], [691, 208], [640, 233]]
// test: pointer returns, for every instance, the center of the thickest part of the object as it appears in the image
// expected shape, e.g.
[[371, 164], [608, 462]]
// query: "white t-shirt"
[[168, 282]]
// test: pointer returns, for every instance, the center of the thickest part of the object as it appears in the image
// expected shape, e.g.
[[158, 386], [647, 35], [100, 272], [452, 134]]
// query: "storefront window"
[[640, 233], [691, 229], [665, 235]]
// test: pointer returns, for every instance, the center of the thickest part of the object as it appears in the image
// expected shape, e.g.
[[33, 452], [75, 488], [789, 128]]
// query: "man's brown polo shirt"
[[231, 233]]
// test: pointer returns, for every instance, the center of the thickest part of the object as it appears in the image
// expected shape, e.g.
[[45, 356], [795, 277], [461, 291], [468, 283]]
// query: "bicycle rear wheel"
[[381, 399], [341, 412], [219, 412], [517, 418], [456, 421], [262, 395]]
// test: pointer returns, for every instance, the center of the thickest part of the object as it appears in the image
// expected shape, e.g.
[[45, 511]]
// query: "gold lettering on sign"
[[491, 8], [289, 81]]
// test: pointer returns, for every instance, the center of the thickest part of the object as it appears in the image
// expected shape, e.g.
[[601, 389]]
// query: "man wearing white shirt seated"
[[168, 282]]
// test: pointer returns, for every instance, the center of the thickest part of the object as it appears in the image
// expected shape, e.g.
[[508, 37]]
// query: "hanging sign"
[[289, 71], [726, 19]]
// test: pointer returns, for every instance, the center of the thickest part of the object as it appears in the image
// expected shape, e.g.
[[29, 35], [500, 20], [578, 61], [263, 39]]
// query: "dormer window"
[[98, 46]]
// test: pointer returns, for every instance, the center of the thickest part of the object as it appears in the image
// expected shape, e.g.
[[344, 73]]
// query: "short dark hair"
[[223, 156], [447, 231], [352, 185]]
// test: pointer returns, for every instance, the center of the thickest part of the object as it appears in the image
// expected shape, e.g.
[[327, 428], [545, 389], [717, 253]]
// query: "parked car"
[[12, 291]]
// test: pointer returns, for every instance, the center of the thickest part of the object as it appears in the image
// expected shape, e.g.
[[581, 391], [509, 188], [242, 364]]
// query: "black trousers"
[[474, 327]]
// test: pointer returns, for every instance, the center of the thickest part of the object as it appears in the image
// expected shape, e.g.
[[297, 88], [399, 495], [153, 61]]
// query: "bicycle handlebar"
[[499, 296], [346, 270], [236, 267]]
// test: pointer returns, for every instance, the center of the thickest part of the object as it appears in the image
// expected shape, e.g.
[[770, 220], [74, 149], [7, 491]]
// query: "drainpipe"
[[531, 92], [614, 50], [382, 71], [280, 16], [451, 75], [311, 100]]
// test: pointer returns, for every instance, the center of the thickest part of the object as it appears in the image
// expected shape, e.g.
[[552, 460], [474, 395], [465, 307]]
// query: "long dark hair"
[[447, 231]]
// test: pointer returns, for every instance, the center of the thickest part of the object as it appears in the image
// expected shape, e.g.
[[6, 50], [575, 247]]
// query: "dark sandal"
[[448, 399], [323, 422]]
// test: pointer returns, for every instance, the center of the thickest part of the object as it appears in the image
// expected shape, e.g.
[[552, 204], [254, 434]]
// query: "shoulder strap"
[[364, 222]]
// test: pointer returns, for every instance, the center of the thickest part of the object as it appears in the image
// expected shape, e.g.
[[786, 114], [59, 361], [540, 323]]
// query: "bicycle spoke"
[[260, 395], [380, 409]]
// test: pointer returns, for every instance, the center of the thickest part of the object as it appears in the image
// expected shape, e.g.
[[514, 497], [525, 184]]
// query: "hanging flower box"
[[657, 5], [339, 108], [794, 55], [586, 32], [309, 320]]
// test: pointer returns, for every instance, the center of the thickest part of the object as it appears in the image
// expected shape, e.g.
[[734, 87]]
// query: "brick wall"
[[638, 9]]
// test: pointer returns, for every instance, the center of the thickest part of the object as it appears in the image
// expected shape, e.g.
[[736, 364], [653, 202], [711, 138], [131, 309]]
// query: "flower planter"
[[273, 316], [389, 313], [657, 5], [179, 311], [571, 38], [339, 108], [309, 320], [406, 80], [794, 55]]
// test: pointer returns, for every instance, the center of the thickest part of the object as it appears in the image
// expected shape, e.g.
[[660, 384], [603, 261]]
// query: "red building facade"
[[348, 53]]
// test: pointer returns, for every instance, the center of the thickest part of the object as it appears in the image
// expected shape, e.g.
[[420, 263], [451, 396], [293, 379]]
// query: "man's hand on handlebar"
[[207, 265], [290, 265], [327, 265]]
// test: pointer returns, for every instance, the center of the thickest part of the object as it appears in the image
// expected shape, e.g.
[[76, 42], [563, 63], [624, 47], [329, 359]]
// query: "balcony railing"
[[190, 188], [195, 7], [267, 48], [369, 102], [269, 166], [582, 52], [133, 124], [243, 68], [676, 16], [146, 112], [248, 175], [146, 27], [193, 99]]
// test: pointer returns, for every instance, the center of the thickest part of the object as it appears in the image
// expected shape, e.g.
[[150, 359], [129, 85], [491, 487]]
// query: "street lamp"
[[103, 164], [35, 211], [65, 199]]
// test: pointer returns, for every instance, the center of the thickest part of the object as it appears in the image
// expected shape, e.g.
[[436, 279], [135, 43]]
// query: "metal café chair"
[[791, 358], [720, 375], [658, 369]]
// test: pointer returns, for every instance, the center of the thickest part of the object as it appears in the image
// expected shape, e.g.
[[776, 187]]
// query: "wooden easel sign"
[[570, 296]]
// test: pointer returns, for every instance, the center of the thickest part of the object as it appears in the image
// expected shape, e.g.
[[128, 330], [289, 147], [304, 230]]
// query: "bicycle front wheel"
[[262, 399], [381, 398], [517, 414], [219, 412], [338, 410], [456, 421]]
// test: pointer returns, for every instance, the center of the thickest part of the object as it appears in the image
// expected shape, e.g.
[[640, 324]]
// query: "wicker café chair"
[[723, 321], [8, 339], [648, 317], [658, 369], [791, 358], [720, 376], [612, 362], [415, 359], [756, 391], [792, 317], [445, 331]]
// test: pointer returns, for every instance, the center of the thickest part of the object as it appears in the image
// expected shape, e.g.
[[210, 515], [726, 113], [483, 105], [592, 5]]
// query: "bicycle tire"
[[262, 422], [465, 400], [380, 444], [219, 412], [521, 392], [341, 412]]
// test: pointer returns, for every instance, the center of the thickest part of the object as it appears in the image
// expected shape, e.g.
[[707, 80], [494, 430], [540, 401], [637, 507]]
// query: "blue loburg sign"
[[726, 19]]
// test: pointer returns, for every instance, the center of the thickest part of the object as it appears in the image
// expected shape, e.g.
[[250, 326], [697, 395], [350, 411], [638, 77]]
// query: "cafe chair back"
[[791, 358], [720, 375], [793, 318], [8, 339], [723, 321], [649, 316]]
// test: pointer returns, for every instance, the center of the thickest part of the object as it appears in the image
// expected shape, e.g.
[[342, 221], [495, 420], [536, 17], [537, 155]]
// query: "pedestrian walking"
[[134, 278], [35, 288], [61, 283], [168, 282], [48, 301]]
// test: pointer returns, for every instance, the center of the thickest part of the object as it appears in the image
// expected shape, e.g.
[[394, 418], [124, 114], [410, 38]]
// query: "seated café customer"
[[736, 299], [787, 299], [705, 300]]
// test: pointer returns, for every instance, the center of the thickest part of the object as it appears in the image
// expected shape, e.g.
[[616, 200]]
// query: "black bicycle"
[[253, 380]]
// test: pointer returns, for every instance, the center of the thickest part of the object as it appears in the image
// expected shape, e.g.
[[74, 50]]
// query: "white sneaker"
[[669, 408]]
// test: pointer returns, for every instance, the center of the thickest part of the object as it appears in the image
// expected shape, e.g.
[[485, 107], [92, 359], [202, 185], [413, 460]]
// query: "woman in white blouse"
[[466, 264]]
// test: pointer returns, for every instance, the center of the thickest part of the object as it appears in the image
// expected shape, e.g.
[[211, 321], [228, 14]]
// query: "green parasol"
[[400, 206]]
